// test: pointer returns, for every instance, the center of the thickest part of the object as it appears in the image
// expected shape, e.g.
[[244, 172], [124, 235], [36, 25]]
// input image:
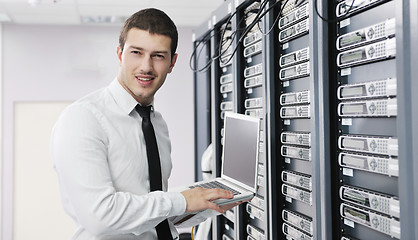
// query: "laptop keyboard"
[[216, 184]]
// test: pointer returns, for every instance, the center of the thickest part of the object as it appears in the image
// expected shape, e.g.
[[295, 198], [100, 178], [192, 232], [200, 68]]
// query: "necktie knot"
[[144, 112]]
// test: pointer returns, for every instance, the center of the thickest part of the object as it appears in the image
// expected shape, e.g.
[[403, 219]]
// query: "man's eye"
[[159, 56], [135, 52]]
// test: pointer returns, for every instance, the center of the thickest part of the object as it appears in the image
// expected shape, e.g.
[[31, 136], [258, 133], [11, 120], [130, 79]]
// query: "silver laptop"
[[239, 158]]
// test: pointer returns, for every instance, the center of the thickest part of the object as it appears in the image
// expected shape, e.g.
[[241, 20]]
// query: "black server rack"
[[366, 169], [200, 63], [332, 82], [224, 86], [293, 92], [252, 85]]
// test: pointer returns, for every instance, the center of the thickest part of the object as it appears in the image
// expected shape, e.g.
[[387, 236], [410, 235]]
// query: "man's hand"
[[199, 199]]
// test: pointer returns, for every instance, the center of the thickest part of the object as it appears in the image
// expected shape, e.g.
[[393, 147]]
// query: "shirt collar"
[[124, 100]]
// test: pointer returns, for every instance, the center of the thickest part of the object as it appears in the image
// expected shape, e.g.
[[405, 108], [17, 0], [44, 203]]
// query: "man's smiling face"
[[145, 61]]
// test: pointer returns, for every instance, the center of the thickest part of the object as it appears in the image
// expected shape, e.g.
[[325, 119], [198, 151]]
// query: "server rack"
[[252, 83], [225, 94], [200, 62], [295, 156], [407, 23], [366, 196], [310, 117]]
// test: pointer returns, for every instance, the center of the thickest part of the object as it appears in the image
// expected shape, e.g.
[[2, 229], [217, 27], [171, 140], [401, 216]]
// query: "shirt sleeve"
[[193, 219], [79, 151]]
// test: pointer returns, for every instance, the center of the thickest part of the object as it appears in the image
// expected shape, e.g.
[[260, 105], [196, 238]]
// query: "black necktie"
[[154, 165]]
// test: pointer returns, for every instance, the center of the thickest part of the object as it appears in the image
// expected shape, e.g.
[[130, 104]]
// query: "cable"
[[243, 32], [204, 40], [331, 20], [192, 233], [275, 20], [221, 41], [219, 48], [247, 29], [234, 34]]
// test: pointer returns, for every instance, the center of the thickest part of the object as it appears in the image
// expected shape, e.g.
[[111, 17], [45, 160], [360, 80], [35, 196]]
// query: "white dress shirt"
[[100, 158]]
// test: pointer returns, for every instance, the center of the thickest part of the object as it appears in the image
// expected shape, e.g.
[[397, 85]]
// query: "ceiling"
[[72, 12]]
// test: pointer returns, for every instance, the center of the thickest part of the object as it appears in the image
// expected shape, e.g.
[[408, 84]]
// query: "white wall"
[[35, 191], [56, 64], [1, 126]]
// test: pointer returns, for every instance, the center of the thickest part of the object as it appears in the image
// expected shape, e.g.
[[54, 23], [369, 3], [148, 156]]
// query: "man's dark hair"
[[154, 21]]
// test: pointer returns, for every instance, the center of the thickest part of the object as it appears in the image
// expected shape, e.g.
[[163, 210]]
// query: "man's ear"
[[173, 62], [119, 53]]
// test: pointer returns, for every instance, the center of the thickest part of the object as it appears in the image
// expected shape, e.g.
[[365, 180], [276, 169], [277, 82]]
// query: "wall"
[[60, 64], [1, 126], [35, 186]]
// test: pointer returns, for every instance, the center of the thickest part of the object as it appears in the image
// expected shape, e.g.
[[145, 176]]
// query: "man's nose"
[[147, 64]]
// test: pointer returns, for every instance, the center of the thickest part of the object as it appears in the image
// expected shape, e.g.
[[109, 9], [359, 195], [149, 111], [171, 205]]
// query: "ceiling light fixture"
[[34, 3], [103, 19]]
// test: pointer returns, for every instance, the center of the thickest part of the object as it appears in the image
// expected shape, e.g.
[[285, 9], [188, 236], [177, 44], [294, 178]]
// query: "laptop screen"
[[240, 148]]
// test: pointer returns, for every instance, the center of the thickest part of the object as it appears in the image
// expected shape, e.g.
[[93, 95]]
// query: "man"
[[99, 150]]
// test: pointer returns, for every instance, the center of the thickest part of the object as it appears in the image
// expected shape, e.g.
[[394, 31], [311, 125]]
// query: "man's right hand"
[[199, 199]]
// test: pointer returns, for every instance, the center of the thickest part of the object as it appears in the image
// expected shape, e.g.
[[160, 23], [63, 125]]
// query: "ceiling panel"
[[47, 19], [12, 1], [183, 12], [188, 4], [114, 2], [93, 10], [23, 8]]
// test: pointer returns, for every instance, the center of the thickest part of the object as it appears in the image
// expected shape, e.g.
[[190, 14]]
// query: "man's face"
[[144, 63]]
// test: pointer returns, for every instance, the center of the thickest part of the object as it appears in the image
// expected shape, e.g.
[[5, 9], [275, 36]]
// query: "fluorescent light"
[[103, 19], [34, 3]]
